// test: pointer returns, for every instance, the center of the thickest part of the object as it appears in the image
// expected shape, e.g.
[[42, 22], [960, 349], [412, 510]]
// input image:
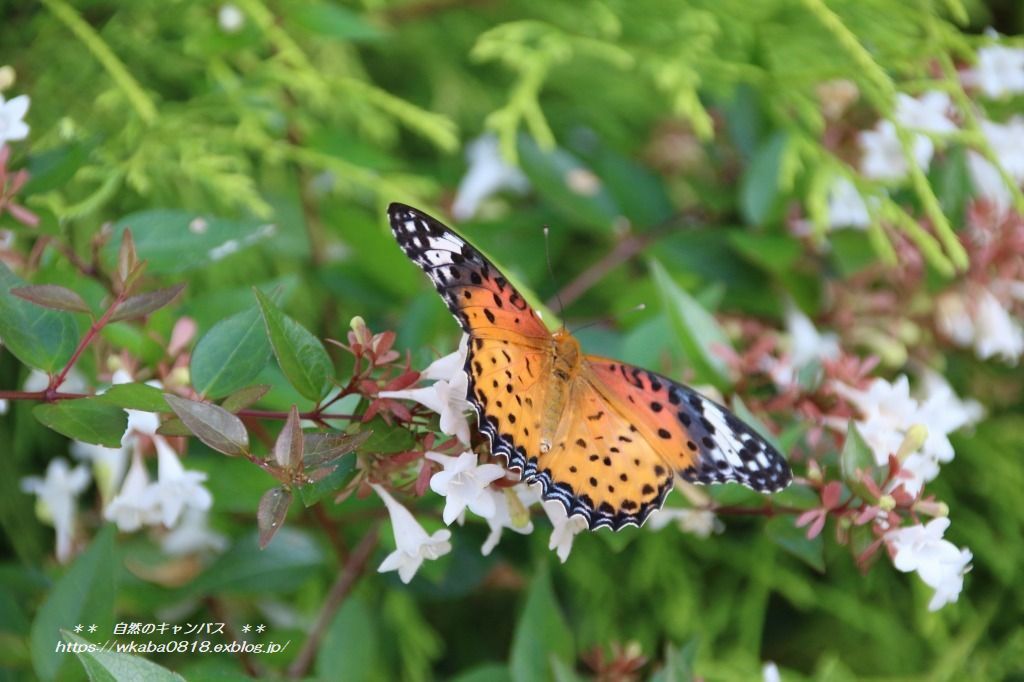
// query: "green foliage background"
[[312, 118]]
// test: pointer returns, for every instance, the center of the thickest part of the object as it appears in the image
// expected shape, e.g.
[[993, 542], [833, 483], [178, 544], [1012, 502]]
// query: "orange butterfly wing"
[[624, 432], [701, 440]]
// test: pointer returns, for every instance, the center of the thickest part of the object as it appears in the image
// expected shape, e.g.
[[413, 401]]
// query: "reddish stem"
[[94, 329]]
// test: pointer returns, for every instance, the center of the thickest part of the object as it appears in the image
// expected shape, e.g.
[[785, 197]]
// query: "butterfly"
[[602, 437]]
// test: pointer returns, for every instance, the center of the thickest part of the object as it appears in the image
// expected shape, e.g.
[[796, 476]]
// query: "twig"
[[339, 590], [43, 396], [623, 251], [94, 329], [315, 415], [217, 609]]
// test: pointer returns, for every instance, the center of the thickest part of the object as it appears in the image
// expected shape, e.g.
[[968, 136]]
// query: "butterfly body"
[[602, 437]]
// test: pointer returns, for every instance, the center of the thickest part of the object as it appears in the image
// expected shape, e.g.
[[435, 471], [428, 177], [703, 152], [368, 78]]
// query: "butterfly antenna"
[[611, 318], [551, 273]]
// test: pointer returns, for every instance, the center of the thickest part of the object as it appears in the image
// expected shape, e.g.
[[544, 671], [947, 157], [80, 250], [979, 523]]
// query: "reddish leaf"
[[52, 296], [289, 444], [212, 424], [271, 512], [144, 304]]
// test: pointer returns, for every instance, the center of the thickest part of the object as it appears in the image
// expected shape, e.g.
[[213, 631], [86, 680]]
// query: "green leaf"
[[488, 672], [350, 649], [334, 21], [856, 456], [110, 666], [212, 424], [270, 514], [759, 186], [230, 355], [90, 420], [52, 296], [697, 330], [568, 185], [144, 304], [84, 594], [541, 634], [773, 253], [246, 569], [249, 395], [40, 338], [678, 664], [342, 473], [163, 236], [783, 531], [301, 356], [135, 396], [386, 438]]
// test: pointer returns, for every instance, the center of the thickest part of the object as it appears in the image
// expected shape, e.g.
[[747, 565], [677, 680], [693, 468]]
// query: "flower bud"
[[912, 442], [7, 76], [932, 508], [886, 503], [179, 376]]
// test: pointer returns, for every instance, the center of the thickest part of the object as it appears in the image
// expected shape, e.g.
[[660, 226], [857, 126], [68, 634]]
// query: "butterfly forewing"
[[702, 441], [479, 296]]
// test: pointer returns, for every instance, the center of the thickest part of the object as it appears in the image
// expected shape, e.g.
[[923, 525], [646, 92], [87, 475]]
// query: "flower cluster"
[[175, 503]]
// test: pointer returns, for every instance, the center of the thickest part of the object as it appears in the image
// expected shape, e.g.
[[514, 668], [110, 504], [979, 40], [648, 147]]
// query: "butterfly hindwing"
[[476, 293], [601, 466], [702, 441]]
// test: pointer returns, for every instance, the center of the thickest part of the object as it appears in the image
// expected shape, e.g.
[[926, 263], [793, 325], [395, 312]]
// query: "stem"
[[339, 591], [216, 607], [44, 396], [99, 324], [138, 98], [315, 415]]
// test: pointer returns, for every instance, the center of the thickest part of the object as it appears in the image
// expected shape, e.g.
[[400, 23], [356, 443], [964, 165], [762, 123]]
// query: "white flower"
[[12, 119], [463, 483], [978, 319], [999, 72], [566, 528], [806, 345], [56, 499], [939, 563], [996, 334], [928, 113], [230, 18], [846, 207], [883, 157], [888, 412], [1007, 141], [136, 504], [4, 405], [108, 465], [770, 672], [192, 535], [953, 318], [511, 510], [412, 544], [74, 381], [177, 489], [700, 522], [139, 422], [487, 175], [447, 395]]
